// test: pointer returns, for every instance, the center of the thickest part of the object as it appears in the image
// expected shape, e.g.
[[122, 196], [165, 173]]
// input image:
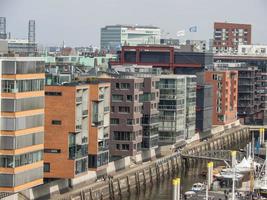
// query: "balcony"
[[102, 148], [106, 109], [171, 107], [101, 97], [78, 128], [79, 100], [78, 151], [85, 112]]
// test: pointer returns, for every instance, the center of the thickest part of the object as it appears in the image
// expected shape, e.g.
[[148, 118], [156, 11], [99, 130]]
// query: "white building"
[[252, 50], [115, 36]]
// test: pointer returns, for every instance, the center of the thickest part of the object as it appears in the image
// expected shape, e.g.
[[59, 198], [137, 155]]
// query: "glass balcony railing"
[[78, 151]]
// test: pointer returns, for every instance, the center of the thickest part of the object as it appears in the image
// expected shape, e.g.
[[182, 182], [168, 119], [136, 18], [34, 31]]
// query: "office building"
[[165, 57], [22, 123], [225, 91], [66, 130], [228, 36], [115, 36], [177, 108]]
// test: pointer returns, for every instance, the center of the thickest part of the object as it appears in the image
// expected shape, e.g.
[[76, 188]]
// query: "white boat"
[[228, 174], [198, 187]]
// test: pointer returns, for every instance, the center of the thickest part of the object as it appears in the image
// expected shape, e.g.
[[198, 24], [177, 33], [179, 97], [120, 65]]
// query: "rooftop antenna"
[[3, 34]]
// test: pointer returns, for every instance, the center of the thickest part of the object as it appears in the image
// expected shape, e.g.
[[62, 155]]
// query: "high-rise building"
[[228, 36], [225, 88], [115, 36], [22, 123], [177, 108]]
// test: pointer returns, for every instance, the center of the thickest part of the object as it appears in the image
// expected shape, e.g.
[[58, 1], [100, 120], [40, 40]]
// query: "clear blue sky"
[[78, 22]]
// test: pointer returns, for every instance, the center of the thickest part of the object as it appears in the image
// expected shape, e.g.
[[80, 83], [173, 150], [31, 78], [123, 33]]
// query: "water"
[[163, 189]]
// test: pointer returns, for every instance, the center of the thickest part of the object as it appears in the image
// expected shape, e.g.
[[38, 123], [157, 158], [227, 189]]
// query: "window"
[[117, 85], [56, 122], [112, 109], [46, 167], [135, 97], [121, 135], [129, 98], [114, 121], [137, 121], [118, 146], [125, 147], [125, 86], [52, 150], [117, 97], [12, 86], [130, 121], [124, 109], [53, 93]]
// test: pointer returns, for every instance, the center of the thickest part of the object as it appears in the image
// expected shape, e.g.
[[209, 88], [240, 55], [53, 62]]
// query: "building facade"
[[177, 108], [225, 91], [66, 130], [259, 61], [228, 36], [165, 57], [22, 123], [115, 36], [99, 127]]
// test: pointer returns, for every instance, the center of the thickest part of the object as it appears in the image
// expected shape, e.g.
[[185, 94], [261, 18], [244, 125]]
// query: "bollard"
[[210, 174], [174, 194], [233, 154], [178, 188]]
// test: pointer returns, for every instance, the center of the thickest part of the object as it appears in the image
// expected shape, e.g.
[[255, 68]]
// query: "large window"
[[124, 109], [121, 135], [12, 86], [20, 160], [117, 97]]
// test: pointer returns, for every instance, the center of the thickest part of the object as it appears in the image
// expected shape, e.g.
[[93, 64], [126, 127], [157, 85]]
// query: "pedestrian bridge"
[[218, 155]]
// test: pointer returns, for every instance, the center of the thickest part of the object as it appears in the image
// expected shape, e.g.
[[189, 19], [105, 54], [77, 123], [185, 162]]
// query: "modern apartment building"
[[225, 91], [177, 108], [126, 116], [249, 85], [66, 130], [99, 127], [115, 36], [150, 100], [253, 60], [22, 123], [204, 106], [228, 36]]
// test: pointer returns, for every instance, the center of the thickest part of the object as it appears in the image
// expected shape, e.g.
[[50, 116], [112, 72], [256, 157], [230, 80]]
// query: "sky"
[[78, 22]]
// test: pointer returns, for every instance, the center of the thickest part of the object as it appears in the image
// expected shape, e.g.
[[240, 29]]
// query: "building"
[[198, 45], [99, 127], [225, 91], [115, 36], [126, 116], [22, 123], [170, 41], [22, 47], [177, 108], [165, 57], [150, 100], [228, 36], [259, 61], [256, 50], [249, 83], [204, 106], [66, 130]]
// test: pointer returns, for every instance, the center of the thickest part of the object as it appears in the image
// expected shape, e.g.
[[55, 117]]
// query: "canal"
[[163, 189]]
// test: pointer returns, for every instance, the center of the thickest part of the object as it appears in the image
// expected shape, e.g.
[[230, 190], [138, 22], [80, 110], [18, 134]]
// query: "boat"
[[198, 187]]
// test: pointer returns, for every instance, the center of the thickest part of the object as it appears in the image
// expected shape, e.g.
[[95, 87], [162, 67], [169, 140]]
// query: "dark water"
[[163, 189]]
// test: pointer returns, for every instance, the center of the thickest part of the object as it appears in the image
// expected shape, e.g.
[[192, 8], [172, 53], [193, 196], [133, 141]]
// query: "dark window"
[[52, 150], [53, 93], [46, 167], [118, 146], [56, 122], [125, 147], [129, 97], [117, 85], [114, 121], [92, 162], [124, 109]]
